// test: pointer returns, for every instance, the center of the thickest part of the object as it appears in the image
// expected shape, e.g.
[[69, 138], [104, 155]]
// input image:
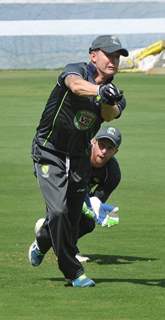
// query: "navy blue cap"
[[109, 44], [110, 133]]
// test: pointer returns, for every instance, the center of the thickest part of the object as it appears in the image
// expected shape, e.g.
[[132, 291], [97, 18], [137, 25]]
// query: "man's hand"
[[105, 214], [109, 93], [108, 216], [88, 211], [111, 216]]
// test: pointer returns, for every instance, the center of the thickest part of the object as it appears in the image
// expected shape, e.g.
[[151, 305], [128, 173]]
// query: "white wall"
[[49, 34]]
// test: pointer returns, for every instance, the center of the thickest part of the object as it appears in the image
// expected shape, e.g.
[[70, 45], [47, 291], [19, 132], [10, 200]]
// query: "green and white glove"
[[106, 214], [111, 218], [88, 212]]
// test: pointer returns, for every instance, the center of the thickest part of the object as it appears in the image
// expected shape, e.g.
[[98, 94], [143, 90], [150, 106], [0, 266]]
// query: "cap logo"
[[111, 131], [114, 41]]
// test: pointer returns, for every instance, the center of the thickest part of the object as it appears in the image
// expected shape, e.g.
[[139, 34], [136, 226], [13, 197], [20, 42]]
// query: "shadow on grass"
[[116, 259], [146, 282]]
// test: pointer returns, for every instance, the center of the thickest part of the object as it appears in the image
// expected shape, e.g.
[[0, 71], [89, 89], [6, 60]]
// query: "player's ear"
[[93, 56], [93, 141]]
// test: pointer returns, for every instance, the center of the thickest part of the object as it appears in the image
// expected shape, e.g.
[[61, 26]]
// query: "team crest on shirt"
[[45, 171], [84, 120]]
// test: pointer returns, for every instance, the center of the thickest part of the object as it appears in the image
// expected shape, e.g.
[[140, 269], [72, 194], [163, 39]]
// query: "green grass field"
[[127, 261]]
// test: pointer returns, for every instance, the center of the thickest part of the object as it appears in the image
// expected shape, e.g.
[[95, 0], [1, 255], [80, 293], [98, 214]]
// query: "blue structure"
[[49, 35]]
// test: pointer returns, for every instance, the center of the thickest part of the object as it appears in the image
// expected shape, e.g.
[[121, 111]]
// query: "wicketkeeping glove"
[[109, 93], [111, 217], [88, 211], [105, 214]]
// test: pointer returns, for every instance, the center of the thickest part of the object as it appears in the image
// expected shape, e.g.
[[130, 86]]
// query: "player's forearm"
[[80, 86], [109, 113]]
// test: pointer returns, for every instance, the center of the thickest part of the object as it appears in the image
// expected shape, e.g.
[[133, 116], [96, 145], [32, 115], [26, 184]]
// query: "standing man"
[[82, 99]]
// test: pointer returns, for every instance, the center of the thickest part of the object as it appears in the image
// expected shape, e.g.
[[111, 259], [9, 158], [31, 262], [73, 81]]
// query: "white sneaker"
[[82, 258], [38, 225], [35, 255]]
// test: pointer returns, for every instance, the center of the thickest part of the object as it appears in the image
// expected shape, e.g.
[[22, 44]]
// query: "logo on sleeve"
[[84, 120], [45, 171]]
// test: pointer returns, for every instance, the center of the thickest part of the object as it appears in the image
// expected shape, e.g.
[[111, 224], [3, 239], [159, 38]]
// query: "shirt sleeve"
[[121, 105], [73, 68]]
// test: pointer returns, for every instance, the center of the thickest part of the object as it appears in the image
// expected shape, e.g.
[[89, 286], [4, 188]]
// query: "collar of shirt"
[[91, 69]]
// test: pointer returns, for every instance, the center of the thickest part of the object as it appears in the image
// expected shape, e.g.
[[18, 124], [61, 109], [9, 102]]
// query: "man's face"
[[102, 150], [106, 64]]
